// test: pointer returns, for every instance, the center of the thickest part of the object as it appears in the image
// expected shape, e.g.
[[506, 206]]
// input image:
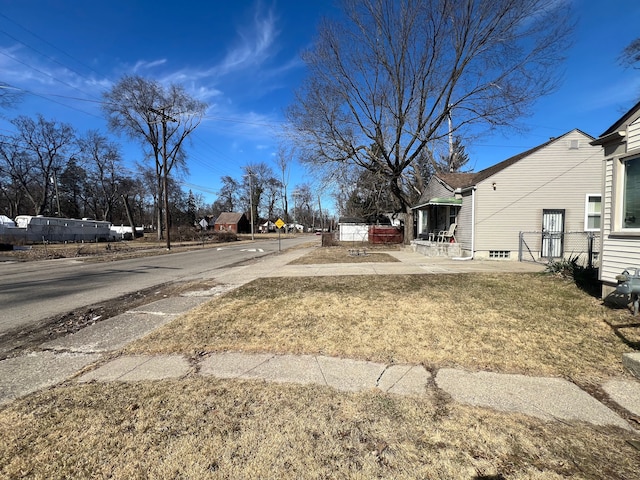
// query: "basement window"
[[499, 253]]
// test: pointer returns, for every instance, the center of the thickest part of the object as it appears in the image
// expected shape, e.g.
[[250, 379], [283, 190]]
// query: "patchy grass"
[[206, 428], [345, 254], [516, 323]]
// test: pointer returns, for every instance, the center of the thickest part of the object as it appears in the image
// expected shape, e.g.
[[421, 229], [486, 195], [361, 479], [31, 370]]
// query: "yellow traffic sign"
[[279, 223]]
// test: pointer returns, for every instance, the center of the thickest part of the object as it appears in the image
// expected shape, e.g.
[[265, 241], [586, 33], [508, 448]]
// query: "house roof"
[[616, 126], [229, 218], [464, 180]]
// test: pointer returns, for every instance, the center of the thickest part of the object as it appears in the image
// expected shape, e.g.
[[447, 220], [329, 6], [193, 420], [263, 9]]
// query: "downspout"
[[473, 225]]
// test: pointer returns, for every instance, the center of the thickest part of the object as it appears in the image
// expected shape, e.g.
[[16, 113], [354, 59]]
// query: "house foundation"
[[436, 249]]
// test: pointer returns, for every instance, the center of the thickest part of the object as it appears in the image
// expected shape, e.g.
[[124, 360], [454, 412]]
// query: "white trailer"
[[33, 229]]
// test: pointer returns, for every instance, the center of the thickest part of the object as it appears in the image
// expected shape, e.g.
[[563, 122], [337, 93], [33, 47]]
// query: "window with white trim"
[[592, 212], [631, 200]]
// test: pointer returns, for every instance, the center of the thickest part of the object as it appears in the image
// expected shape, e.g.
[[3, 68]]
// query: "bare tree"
[[257, 179], [33, 156], [104, 167], [14, 166], [630, 55], [161, 119], [284, 158], [273, 192], [227, 200], [383, 81], [303, 202], [9, 96], [76, 191]]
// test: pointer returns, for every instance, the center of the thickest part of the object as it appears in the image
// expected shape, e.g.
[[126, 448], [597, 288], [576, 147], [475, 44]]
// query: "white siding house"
[[554, 185], [621, 202]]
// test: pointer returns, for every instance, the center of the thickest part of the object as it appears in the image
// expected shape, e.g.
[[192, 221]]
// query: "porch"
[[433, 248]]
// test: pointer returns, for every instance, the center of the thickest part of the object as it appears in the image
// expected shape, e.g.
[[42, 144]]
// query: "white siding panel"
[[620, 253], [464, 230], [437, 190], [607, 197], [633, 132]]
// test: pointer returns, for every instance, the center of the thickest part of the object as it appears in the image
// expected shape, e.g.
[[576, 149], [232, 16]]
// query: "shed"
[[353, 229]]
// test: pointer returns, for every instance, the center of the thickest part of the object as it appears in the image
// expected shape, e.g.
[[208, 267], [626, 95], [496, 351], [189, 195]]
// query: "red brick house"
[[232, 222]]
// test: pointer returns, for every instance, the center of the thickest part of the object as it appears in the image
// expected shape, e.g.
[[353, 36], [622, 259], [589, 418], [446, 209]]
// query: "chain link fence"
[[545, 247]]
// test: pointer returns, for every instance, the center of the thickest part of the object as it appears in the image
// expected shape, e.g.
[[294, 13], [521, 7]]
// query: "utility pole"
[[250, 174], [55, 184], [165, 118], [450, 139], [295, 194]]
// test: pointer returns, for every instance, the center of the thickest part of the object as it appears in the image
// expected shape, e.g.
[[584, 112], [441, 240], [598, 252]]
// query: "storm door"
[[552, 233]]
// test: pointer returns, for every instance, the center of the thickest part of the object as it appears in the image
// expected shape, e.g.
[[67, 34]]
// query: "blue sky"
[[242, 58]]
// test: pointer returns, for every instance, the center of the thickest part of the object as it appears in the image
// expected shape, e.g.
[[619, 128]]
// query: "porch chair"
[[447, 235]]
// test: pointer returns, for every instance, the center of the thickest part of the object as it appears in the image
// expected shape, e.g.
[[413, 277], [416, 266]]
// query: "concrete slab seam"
[[315, 357], [397, 381], [535, 407], [255, 367], [134, 368]]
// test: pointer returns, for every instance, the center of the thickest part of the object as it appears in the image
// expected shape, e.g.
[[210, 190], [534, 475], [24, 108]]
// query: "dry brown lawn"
[[346, 254], [230, 429], [206, 428], [531, 324]]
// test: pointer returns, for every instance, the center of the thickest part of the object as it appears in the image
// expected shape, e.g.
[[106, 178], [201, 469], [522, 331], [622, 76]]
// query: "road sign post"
[[203, 226], [279, 225]]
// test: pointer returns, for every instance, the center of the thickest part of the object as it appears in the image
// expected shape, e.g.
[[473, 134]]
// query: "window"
[[592, 213], [631, 203], [499, 253], [453, 211]]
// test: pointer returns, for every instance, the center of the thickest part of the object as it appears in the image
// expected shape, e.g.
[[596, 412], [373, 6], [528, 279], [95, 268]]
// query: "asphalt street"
[[33, 291]]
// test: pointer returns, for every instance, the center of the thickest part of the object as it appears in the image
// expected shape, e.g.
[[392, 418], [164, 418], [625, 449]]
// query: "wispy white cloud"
[[145, 65], [250, 67], [623, 91], [26, 71], [254, 44]]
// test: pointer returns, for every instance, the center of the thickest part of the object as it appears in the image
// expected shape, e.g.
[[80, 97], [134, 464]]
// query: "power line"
[[40, 71], [52, 45], [48, 57]]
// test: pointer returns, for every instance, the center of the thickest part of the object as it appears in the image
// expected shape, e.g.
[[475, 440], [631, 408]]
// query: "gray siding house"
[[554, 186], [621, 197]]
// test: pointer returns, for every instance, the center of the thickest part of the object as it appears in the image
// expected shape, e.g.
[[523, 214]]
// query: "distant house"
[[554, 187], [621, 197], [232, 222], [267, 227]]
